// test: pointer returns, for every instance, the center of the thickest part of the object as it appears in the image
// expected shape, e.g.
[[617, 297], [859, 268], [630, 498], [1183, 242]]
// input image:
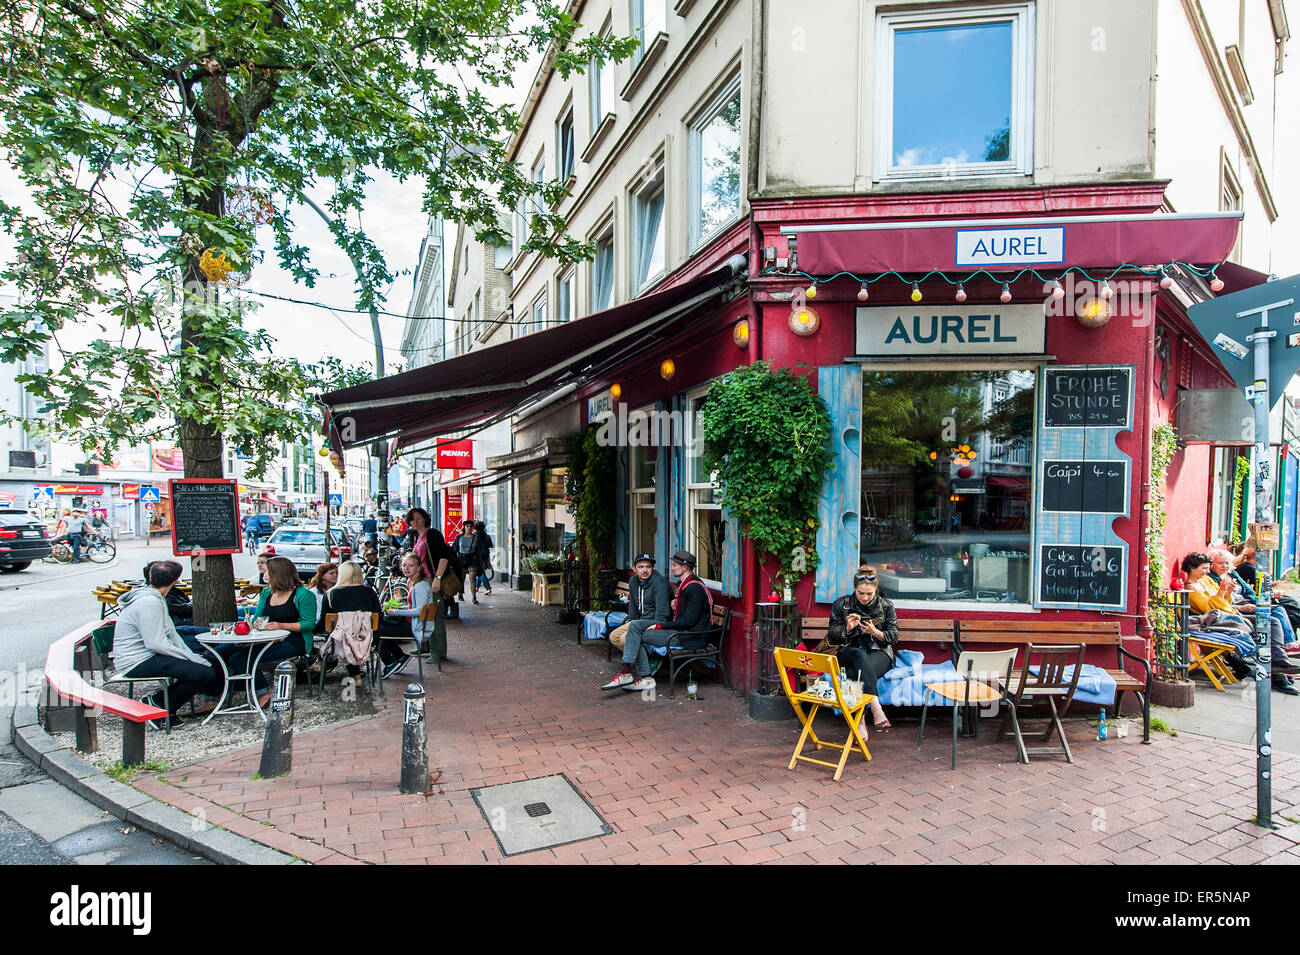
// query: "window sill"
[[653, 50], [598, 137], [714, 233], [683, 7], [991, 606]]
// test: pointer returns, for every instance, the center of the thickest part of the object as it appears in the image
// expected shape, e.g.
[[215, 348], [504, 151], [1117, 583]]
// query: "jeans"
[[482, 581], [190, 677], [76, 541], [637, 639]]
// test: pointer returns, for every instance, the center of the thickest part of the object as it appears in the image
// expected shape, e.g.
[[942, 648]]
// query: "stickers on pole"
[[1230, 345]]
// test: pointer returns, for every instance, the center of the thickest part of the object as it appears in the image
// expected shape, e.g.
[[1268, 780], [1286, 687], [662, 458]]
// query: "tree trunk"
[[213, 574]]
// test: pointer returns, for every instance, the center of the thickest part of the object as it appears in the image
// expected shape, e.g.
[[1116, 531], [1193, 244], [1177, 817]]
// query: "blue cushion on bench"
[[593, 624]]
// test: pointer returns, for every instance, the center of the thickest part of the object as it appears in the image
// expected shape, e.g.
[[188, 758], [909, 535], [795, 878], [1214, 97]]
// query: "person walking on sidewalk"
[[436, 560], [691, 611], [146, 642], [482, 559]]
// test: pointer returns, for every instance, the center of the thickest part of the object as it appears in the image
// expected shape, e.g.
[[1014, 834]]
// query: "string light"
[[811, 291], [1106, 291], [1058, 293], [863, 294], [961, 292], [1166, 282], [916, 292], [1216, 284], [1006, 293]]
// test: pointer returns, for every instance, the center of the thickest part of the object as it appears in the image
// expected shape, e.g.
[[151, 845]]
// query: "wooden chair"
[[808, 662], [372, 661], [1210, 657], [981, 678], [1044, 678]]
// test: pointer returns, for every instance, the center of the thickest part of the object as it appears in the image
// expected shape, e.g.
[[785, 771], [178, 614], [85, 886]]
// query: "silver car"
[[306, 547]]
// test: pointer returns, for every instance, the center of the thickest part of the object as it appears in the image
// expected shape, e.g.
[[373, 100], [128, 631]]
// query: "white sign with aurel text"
[[947, 329], [982, 248]]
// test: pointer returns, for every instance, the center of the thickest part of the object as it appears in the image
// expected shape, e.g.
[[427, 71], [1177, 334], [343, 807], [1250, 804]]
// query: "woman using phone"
[[864, 627]]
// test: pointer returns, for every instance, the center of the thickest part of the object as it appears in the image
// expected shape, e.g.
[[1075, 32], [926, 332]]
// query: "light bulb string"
[[1152, 271]]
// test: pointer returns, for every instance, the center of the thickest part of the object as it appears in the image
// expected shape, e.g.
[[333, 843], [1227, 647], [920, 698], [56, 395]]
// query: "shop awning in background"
[[267, 499], [1045, 243], [1008, 483], [454, 394]]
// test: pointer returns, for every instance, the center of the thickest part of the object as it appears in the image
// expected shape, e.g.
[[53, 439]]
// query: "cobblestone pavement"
[[684, 781]]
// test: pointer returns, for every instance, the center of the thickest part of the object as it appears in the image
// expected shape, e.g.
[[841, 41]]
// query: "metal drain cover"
[[538, 814]]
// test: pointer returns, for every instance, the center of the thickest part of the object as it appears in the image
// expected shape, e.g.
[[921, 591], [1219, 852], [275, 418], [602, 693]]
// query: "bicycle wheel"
[[61, 553], [101, 552]]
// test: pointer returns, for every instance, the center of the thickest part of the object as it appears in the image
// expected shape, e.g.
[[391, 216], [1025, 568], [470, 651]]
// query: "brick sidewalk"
[[683, 781]]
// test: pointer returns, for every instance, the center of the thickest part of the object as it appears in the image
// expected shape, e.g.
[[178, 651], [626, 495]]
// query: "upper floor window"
[[564, 146], [648, 21], [564, 297], [955, 92], [648, 231], [539, 315], [600, 80], [602, 274], [715, 165]]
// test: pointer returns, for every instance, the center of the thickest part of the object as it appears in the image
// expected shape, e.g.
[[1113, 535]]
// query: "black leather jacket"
[[884, 618]]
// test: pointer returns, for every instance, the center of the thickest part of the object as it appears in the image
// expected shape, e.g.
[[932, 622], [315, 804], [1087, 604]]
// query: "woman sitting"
[[404, 622], [351, 644], [865, 628], [288, 606], [326, 576]]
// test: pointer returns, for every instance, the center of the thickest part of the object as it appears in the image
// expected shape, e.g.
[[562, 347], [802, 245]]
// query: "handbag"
[[451, 585]]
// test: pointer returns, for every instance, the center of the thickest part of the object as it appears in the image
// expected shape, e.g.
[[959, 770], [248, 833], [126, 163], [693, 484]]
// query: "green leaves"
[[767, 437]]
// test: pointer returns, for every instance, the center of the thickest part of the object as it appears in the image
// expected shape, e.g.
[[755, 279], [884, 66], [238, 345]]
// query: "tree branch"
[[104, 27]]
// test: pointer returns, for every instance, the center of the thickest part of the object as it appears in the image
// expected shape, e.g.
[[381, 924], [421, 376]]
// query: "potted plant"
[[1169, 683]]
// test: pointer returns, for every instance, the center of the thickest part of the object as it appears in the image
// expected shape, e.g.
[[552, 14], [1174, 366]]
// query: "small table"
[[962, 693], [262, 638]]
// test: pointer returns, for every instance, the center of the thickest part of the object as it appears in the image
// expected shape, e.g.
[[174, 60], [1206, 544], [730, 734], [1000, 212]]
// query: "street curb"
[[129, 804]]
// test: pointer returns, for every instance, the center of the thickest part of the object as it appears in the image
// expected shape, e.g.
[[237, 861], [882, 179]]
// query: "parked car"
[[23, 539], [306, 547]]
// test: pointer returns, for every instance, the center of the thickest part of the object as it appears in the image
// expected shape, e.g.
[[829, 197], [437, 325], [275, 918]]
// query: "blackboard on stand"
[[205, 516]]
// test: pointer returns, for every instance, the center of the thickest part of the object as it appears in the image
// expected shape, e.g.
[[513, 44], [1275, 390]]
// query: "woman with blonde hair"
[[354, 602]]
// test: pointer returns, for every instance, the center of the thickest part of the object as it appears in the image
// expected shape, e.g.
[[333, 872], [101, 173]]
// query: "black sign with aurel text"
[[1087, 397]]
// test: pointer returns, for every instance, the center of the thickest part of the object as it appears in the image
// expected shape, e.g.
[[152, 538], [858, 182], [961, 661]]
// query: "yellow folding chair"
[[1209, 656], [787, 660]]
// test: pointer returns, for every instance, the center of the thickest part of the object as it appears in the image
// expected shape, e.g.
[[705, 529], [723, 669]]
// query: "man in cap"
[[650, 599], [691, 611]]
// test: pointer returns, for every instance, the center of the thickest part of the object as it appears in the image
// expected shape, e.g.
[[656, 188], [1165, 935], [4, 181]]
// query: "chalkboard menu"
[[1082, 574], [1085, 487], [205, 516], [1088, 397]]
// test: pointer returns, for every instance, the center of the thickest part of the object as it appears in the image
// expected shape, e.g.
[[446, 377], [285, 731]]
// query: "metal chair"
[[1050, 673], [372, 659], [982, 677]]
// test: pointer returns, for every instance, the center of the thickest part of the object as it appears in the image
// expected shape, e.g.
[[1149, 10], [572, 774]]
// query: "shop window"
[[648, 231], [715, 165], [955, 92], [642, 480], [947, 483], [559, 529], [602, 273], [706, 527]]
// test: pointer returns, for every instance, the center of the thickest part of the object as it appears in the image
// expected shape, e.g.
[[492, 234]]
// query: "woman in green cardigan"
[[286, 605]]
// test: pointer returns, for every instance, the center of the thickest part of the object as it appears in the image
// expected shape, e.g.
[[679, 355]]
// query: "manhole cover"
[[538, 814]]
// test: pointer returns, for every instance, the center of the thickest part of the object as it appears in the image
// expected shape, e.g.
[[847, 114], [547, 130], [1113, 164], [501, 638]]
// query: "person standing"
[[370, 528], [483, 559], [436, 559], [467, 554]]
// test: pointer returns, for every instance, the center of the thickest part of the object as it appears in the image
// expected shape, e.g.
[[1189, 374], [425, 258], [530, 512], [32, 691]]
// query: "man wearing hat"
[[649, 598], [691, 611]]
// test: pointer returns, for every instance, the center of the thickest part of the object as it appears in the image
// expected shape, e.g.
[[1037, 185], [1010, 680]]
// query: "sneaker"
[[640, 685], [393, 666], [620, 680]]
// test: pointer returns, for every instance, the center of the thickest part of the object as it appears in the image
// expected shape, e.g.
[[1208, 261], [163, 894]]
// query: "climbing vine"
[[1164, 445], [592, 487], [767, 440], [1238, 486]]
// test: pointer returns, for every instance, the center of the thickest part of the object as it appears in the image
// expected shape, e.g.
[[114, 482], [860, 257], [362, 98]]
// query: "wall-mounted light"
[[1093, 312], [804, 322], [740, 333], [616, 391], [667, 368]]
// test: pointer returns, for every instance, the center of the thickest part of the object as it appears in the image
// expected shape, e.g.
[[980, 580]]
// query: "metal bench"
[[621, 591]]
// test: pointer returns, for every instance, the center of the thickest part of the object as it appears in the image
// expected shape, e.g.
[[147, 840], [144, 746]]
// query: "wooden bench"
[[687, 646], [1018, 631], [937, 633], [621, 598]]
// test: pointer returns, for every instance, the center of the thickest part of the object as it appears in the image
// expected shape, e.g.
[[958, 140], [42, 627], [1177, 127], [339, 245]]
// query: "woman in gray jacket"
[[145, 641]]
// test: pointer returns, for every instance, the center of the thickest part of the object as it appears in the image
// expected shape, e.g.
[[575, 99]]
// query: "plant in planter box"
[[544, 562]]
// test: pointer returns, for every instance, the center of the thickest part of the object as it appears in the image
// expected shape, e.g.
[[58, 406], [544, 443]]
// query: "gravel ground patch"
[[192, 742]]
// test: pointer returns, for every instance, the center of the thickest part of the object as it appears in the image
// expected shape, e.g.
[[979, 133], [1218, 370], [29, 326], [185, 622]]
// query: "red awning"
[[1045, 243], [1007, 483], [454, 394], [268, 499]]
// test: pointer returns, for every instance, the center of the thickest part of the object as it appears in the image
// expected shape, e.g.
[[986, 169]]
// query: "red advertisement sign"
[[453, 514], [91, 489], [457, 454], [130, 492]]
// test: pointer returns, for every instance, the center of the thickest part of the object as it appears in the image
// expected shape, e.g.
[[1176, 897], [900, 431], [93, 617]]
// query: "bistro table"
[[252, 640]]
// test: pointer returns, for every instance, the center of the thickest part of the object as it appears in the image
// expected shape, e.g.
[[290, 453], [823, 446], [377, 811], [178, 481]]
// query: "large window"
[[715, 165], [955, 92], [564, 146], [648, 21], [643, 481], [648, 231], [705, 527], [602, 274], [600, 86], [947, 483]]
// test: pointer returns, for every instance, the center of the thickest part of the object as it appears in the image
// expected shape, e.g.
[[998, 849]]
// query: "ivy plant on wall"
[[1238, 496], [1164, 445], [592, 487], [767, 440]]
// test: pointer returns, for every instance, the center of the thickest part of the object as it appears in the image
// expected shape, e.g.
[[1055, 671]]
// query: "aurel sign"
[[1029, 246], [896, 330]]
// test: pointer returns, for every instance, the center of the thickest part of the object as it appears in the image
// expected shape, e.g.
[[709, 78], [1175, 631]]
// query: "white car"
[[306, 547]]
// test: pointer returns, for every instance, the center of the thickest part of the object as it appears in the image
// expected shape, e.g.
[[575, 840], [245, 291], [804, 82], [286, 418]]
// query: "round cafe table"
[[259, 639]]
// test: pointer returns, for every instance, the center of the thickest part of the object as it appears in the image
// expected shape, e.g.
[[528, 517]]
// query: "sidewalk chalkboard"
[[1069, 573], [1085, 487], [205, 516], [1088, 397]]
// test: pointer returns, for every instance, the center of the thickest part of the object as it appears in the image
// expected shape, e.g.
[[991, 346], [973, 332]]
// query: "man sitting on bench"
[[649, 598], [692, 610]]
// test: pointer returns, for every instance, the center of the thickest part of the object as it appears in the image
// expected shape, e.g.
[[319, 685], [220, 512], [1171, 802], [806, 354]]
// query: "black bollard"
[[277, 747], [415, 750]]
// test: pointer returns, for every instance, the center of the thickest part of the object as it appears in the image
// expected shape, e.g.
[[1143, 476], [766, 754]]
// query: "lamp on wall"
[[667, 368], [740, 333], [1093, 312], [804, 321], [616, 391]]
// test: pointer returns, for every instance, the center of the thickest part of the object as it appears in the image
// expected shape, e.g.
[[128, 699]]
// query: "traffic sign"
[[336, 500], [43, 492], [1227, 323], [150, 494], [148, 507]]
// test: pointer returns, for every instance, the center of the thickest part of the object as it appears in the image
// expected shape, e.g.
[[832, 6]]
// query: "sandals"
[[882, 726]]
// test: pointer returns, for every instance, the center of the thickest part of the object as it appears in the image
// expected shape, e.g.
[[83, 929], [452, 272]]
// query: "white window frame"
[[637, 26], [693, 399], [731, 88], [537, 317], [565, 170], [603, 234], [564, 296], [641, 193], [600, 85], [1021, 145]]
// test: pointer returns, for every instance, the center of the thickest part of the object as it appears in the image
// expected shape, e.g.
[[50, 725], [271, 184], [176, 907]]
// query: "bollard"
[[415, 751], [277, 747]]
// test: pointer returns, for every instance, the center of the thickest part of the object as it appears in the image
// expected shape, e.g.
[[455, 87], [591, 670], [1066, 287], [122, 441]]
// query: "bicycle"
[[100, 550], [60, 552]]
